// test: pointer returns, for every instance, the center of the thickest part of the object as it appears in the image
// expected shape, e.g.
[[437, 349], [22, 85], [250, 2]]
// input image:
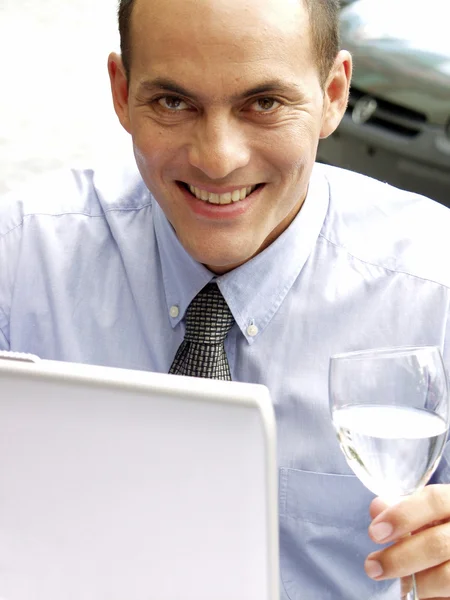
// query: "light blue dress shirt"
[[91, 271]]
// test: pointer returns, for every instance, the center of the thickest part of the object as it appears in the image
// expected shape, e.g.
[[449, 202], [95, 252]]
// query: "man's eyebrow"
[[162, 83], [270, 87], [267, 87]]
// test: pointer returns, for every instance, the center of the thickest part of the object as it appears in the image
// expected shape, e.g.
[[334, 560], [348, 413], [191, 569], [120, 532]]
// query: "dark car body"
[[397, 125]]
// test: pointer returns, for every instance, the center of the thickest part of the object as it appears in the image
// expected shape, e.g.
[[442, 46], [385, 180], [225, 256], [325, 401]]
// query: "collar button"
[[252, 330], [174, 311]]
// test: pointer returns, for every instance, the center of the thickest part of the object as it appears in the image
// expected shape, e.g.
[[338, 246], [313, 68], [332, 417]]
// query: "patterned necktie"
[[202, 352]]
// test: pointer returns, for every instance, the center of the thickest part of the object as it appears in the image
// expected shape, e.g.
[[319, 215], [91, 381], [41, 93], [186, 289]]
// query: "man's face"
[[225, 108]]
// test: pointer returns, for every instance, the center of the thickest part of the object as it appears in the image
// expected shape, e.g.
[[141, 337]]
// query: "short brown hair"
[[324, 19]]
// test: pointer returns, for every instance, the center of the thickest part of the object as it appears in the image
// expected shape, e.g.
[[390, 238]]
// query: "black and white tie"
[[202, 352]]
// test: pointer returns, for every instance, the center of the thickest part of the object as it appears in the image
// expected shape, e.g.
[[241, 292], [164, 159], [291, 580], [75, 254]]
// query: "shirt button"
[[174, 311], [252, 330]]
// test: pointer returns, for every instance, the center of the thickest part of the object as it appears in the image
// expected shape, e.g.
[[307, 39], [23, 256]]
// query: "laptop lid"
[[126, 485]]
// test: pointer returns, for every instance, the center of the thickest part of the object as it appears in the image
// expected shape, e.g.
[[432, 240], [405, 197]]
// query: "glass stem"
[[413, 593]]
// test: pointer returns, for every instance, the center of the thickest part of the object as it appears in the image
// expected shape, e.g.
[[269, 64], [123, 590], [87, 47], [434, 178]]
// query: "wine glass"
[[390, 409]]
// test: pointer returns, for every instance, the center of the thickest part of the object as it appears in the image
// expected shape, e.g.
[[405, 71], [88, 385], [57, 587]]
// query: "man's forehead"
[[214, 5], [219, 42], [175, 15]]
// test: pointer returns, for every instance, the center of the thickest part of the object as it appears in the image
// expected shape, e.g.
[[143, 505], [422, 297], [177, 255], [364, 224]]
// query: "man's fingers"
[[423, 509], [426, 552], [435, 598], [377, 506], [433, 584], [413, 554]]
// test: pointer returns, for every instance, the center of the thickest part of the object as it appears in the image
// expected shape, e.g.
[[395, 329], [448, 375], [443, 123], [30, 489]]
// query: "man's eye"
[[172, 103], [265, 104]]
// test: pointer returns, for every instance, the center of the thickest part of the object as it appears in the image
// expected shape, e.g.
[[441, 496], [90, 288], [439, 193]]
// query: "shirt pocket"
[[324, 540]]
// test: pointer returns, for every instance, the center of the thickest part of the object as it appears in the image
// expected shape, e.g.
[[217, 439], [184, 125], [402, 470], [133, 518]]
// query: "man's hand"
[[426, 552]]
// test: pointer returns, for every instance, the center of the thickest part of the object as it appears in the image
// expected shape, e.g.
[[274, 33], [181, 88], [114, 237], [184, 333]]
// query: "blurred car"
[[397, 125]]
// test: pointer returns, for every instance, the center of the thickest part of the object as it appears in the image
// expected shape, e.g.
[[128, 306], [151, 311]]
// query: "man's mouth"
[[229, 197]]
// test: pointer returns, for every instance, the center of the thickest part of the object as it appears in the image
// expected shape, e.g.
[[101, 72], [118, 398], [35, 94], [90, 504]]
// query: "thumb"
[[376, 507]]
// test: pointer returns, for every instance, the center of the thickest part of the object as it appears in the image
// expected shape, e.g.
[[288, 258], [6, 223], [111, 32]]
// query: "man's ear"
[[119, 89], [336, 93]]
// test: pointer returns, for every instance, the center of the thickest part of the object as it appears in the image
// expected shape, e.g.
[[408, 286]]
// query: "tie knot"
[[208, 318]]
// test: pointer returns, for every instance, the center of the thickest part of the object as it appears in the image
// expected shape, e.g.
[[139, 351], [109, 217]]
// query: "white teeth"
[[226, 198]]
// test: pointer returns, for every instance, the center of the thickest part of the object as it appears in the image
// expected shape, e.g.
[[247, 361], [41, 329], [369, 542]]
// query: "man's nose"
[[219, 147]]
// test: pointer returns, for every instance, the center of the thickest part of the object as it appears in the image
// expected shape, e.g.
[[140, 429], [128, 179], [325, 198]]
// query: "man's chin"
[[222, 264], [220, 256], [221, 270], [220, 253]]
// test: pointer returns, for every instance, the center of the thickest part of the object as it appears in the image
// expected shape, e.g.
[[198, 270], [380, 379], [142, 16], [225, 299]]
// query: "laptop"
[[128, 485]]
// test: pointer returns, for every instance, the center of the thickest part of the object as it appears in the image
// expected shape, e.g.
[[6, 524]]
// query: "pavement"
[[55, 102]]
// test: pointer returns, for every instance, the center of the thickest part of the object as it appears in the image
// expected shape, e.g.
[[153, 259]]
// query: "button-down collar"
[[255, 290]]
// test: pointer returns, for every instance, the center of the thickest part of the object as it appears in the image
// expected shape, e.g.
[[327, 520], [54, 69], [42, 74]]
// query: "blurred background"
[[55, 106], [56, 110], [397, 125]]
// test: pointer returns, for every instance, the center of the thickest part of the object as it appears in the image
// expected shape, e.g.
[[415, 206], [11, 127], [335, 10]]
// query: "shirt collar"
[[183, 277], [255, 290]]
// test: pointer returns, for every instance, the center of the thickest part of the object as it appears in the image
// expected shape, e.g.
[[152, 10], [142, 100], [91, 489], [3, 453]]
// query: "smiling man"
[[225, 105], [225, 102]]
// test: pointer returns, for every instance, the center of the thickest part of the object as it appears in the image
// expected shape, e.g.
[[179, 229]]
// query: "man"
[[225, 101]]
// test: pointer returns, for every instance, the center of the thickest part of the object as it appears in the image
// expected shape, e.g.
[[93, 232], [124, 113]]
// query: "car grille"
[[388, 116]]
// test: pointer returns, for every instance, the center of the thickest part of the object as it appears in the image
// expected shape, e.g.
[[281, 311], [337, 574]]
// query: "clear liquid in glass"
[[392, 449]]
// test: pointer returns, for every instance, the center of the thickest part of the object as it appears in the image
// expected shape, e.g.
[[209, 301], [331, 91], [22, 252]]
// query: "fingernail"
[[374, 569], [381, 531]]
